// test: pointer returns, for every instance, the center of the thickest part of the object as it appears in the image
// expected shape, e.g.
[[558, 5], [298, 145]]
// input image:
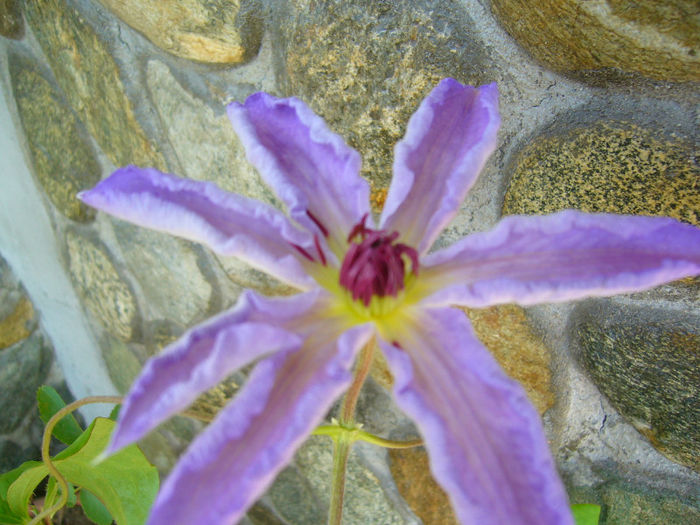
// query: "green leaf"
[[67, 430], [114, 414], [125, 482], [8, 514], [20, 492], [586, 513], [6, 479], [22, 486], [94, 508]]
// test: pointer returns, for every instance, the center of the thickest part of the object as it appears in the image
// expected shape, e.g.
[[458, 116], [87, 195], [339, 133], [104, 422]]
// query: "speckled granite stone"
[[609, 167]]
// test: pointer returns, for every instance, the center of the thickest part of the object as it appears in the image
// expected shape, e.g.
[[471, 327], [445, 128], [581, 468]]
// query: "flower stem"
[[356, 434], [343, 441], [364, 363], [341, 451]]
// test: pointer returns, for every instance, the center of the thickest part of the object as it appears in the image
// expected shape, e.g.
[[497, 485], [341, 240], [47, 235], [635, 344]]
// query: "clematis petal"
[[234, 460], [172, 380], [485, 441], [310, 168], [229, 224], [447, 142], [561, 257]]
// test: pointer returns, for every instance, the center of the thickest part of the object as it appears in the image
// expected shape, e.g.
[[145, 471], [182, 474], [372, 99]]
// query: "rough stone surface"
[[63, 160], [17, 319], [169, 272], [23, 368], [629, 506], [625, 504], [656, 39], [609, 167], [122, 364], [100, 286], [365, 498], [11, 455], [365, 66], [416, 484], [294, 496], [18, 325], [11, 24], [245, 276], [505, 331], [209, 150], [204, 141], [647, 362], [90, 79], [220, 32]]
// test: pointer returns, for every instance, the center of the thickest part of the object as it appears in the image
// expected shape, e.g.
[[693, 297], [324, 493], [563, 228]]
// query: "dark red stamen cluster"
[[375, 266]]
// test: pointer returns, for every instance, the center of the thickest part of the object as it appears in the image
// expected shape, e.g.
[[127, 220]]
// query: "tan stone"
[[62, 158], [522, 354], [100, 286], [221, 32], [17, 325], [90, 79], [366, 66], [660, 40], [411, 472], [610, 167]]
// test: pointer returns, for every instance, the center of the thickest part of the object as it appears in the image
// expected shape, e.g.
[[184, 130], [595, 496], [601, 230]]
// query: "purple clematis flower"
[[486, 443]]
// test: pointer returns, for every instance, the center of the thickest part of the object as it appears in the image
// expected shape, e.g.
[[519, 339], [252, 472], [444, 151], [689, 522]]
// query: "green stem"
[[343, 441], [46, 458], [334, 431], [341, 451]]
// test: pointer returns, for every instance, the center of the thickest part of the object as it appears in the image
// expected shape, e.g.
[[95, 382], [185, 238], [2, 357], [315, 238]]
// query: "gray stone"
[[100, 285], [12, 455], [169, 272], [208, 149], [23, 368], [647, 362], [122, 364], [365, 496], [203, 140], [219, 31], [365, 65], [626, 503], [63, 160], [90, 79], [294, 498]]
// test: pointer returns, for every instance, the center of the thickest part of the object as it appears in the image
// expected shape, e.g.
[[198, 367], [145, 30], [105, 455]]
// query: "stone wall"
[[599, 108]]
